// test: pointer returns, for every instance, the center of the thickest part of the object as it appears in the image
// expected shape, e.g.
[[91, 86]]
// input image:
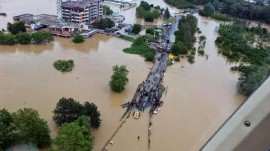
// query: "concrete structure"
[[63, 29], [55, 26], [79, 11], [247, 129]]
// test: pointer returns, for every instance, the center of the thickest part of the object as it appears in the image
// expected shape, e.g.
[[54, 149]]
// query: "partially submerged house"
[[63, 29]]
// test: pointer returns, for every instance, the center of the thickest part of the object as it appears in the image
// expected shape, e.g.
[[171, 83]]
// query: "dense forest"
[[249, 49], [235, 8]]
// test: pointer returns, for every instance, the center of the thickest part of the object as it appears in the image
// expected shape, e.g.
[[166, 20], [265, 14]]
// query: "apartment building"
[[80, 11]]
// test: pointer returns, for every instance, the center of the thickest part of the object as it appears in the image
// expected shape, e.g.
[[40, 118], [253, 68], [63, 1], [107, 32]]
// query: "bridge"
[[149, 92]]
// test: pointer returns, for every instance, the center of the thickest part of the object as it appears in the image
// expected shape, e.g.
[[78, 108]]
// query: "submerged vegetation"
[[141, 47], [185, 38], [78, 39], [25, 38], [248, 47], [202, 43], [64, 65], [68, 110], [119, 78], [235, 8], [17, 35], [23, 127], [209, 10]]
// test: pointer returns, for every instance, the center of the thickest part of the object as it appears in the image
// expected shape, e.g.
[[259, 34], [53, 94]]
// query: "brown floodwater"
[[200, 97]]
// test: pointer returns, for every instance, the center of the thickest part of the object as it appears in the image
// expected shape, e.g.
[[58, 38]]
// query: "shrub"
[[7, 39], [78, 39], [23, 38], [41, 37], [64, 65]]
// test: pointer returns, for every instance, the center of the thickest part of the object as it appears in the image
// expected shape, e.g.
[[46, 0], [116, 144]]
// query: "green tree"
[[150, 31], [148, 12], [179, 48], [7, 129], [236, 43], [251, 80], [107, 10], [208, 10], [136, 28], [167, 14], [145, 5], [78, 39], [68, 110], [185, 37], [16, 27], [104, 23], [75, 136], [31, 128], [91, 110], [119, 78]]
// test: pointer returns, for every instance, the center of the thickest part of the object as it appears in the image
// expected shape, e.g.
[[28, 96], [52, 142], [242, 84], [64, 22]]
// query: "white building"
[[80, 11]]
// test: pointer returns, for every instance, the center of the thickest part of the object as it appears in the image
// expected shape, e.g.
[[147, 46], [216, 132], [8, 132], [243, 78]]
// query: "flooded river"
[[199, 97]]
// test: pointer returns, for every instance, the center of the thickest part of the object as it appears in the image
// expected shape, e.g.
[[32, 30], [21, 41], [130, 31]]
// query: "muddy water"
[[199, 97], [28, 78]]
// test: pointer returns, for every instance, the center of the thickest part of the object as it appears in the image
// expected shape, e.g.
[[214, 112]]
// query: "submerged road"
[[149, 92]]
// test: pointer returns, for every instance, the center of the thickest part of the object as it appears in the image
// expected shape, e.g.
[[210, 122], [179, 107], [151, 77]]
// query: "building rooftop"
[[26, 18], [79, 4]]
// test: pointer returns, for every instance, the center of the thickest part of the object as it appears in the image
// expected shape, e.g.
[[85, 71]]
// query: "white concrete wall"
[[255, 109]]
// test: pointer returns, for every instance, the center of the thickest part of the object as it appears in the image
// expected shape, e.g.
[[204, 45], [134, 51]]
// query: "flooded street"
[[200, 97]]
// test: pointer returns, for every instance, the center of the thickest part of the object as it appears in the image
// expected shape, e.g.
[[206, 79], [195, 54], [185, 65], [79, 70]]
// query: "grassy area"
[[140, 47]]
